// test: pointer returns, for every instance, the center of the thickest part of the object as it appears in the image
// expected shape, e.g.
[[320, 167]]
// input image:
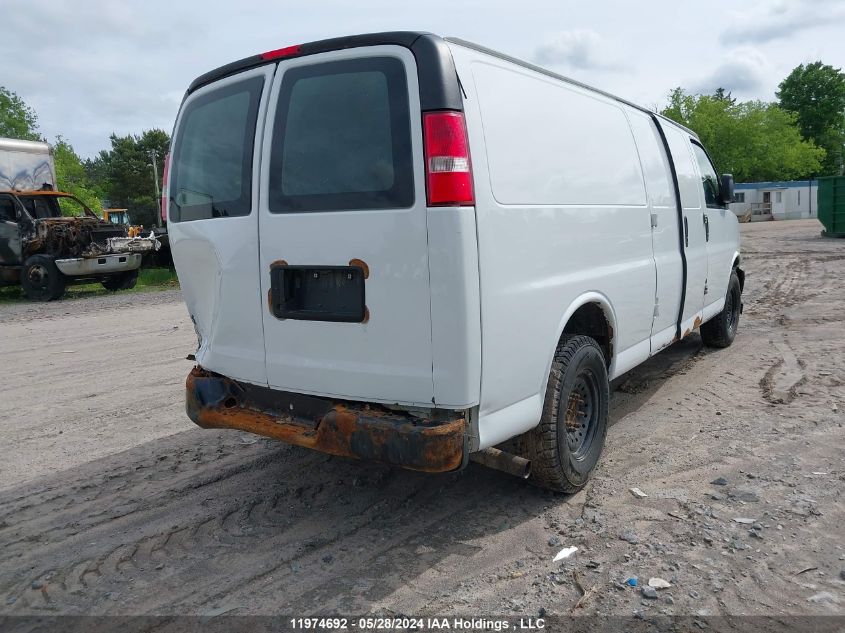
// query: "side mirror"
[[727, 188]]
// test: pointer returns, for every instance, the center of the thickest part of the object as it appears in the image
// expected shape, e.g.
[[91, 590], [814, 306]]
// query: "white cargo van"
[[412, 249]]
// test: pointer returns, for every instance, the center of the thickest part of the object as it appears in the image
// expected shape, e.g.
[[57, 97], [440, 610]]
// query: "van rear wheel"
[[565, 447]]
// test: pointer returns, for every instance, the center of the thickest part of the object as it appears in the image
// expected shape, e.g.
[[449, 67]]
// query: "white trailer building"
[[784, 200]]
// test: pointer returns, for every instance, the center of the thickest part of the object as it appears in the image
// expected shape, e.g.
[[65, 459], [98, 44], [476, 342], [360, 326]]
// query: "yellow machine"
[[121, 216]]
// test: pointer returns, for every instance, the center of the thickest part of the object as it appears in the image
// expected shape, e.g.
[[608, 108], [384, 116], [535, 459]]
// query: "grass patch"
[[162, 278], [149, 280]]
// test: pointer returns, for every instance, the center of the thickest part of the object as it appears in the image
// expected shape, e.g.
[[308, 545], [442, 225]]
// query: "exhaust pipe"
[[506, 462]]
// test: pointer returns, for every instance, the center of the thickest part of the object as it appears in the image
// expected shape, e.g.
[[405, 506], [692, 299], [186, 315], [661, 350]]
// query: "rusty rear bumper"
[[348, 429]]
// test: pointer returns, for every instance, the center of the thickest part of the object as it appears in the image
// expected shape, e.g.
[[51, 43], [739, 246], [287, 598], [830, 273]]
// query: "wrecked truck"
[[44, 251], [49, 239]]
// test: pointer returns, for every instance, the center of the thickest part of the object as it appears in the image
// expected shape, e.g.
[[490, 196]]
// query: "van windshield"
[[211, 169], [341, 138]]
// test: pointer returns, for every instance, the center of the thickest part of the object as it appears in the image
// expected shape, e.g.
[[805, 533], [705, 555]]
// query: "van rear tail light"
[[448, 171], [165, 173]]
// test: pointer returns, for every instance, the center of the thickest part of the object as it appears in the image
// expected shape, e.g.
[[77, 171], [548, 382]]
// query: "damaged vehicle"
[[44, 251], [418, 251], [49, 239]]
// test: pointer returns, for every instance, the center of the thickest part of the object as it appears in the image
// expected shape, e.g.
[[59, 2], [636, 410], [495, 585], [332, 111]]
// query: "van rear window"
[[211, 168], [341, 138]]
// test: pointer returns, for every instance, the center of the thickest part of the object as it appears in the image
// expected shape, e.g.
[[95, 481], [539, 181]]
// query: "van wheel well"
[[739, 273], [590, 320]]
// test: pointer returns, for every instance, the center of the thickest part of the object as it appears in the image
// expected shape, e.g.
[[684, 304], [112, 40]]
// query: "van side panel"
[[552, 144], [455, 306], [664, 235], [561, 212]]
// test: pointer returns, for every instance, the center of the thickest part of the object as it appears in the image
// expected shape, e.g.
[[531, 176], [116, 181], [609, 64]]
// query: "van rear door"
[[342, 226], [213, 220]]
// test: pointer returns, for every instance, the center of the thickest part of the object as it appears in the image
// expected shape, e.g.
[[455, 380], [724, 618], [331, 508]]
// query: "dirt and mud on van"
[[415, 250]]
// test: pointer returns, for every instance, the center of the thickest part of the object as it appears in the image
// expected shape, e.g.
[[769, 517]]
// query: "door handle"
[[686, 231], [706, 228]]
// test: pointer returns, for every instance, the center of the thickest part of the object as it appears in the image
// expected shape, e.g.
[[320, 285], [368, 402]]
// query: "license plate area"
[[317, 293]]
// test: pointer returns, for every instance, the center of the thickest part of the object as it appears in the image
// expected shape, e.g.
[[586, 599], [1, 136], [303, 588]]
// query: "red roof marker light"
[[287, 51]]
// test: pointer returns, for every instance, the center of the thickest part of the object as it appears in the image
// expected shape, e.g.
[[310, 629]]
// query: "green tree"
[[72, 178], [126, 173], [753, 140], [724, 95], [17, 120], [816, 94]]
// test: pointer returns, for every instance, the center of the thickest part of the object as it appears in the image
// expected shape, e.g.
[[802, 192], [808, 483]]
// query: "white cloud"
[[743, 71], [580, 49], [779, 19]]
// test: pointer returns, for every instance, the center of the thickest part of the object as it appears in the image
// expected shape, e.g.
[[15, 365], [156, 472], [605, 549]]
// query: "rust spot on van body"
[[697, 323], [360, 263], [347, 429]]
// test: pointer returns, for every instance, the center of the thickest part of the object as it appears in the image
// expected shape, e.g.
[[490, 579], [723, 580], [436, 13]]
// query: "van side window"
[[211, 168], [341, 138], [709, 180]]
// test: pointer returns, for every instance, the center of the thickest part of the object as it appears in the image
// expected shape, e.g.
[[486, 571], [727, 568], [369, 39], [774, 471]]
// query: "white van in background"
[[412, 249]]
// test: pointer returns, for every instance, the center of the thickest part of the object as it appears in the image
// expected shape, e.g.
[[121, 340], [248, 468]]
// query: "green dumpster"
[[831, 203]]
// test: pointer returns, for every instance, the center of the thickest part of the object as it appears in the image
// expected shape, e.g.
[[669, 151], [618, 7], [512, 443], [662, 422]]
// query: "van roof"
[[434, 66]]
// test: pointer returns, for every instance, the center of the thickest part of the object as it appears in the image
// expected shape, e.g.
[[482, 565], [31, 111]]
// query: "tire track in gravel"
[[258, 517]]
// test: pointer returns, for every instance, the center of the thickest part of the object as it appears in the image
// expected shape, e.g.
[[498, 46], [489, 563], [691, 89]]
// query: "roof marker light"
[[287, 51]]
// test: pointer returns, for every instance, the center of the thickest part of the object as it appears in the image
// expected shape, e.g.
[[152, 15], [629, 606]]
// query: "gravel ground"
[[111, 502]]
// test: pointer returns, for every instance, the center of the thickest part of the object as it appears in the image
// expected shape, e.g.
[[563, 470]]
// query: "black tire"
[[41, 279], [720, 331], [565, 447], [122, 281]]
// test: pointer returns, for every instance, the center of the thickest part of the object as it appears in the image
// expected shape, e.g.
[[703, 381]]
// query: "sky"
[[90, 68]]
